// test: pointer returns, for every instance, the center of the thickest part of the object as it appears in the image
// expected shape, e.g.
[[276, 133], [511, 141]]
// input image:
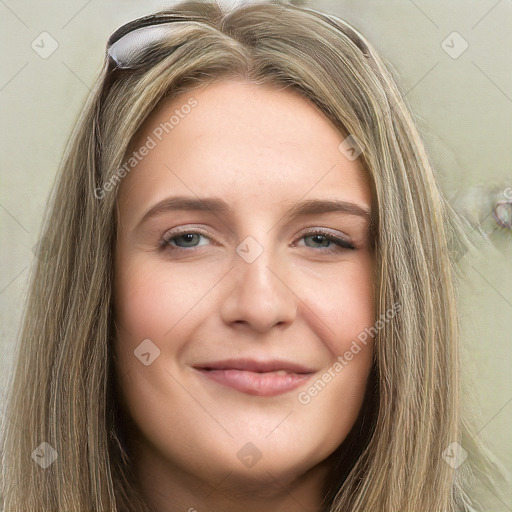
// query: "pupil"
[[188, 238], [320, 239]]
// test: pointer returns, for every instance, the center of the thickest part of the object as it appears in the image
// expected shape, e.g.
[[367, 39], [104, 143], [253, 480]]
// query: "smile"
[[256, 378]]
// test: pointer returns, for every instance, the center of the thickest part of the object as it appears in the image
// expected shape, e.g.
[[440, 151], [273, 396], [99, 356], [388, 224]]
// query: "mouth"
[[261, 378]]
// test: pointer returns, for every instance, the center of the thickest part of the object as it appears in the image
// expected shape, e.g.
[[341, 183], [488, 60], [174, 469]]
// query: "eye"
[[326, 242], [183, 240]]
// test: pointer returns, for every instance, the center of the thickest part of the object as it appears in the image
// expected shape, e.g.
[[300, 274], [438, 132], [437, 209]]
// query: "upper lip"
[[252, 365]]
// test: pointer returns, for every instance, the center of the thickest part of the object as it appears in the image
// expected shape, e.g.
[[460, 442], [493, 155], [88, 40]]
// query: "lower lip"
[[254, 383]]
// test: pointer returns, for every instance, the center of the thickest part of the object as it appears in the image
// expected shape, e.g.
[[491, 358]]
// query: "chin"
[[268, 466]]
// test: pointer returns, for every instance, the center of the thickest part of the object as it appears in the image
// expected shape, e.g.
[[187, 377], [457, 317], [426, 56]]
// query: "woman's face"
[[235, 304]]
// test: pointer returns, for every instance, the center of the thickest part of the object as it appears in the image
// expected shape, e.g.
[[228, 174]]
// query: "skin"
[[262, 150]]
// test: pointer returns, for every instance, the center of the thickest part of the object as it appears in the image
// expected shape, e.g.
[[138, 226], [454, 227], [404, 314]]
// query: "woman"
[[246, 300]]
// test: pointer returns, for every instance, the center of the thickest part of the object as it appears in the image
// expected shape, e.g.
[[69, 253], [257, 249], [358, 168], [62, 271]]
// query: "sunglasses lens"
[[128, 51]]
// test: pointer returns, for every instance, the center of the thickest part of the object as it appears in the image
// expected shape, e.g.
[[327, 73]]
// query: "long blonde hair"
[[64, 390]]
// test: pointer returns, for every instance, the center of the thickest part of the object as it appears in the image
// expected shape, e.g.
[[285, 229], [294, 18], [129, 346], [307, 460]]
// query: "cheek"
[[340, 310], [146, 307], [344, 315], [340, 305], [151, 305], [150, 301]]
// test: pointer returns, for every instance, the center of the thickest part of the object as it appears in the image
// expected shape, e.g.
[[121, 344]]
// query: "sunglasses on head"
[[128, 47]]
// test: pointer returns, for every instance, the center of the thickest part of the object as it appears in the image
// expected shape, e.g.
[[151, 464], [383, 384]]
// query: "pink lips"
[[267, 378]]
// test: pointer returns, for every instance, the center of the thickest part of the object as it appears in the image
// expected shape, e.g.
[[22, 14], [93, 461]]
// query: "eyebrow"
[[217, 205]]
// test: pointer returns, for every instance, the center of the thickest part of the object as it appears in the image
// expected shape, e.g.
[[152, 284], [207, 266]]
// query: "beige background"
[[463, 106]]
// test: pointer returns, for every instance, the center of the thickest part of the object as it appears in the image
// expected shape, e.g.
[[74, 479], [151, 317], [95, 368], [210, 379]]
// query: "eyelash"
[[341, 243]]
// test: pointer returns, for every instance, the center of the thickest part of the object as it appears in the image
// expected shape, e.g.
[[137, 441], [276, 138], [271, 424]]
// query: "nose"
[[258, 295]]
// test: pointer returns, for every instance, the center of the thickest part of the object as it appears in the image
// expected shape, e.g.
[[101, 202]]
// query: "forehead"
[[244, 142]]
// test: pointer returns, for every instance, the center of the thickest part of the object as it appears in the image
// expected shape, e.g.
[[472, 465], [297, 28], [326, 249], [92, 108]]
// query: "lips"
[[262, 378]]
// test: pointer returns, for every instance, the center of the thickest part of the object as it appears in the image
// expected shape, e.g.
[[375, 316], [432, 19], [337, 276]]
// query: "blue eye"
[[326, 240], [189, 239], [322, 240]]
